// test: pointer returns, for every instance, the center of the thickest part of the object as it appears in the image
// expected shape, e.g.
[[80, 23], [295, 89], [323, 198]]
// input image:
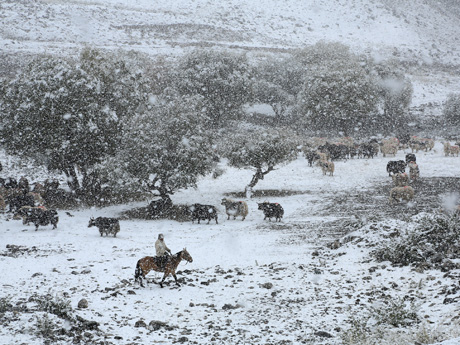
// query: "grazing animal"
[[446, 148], [149, 263], [454, 150], [23, 184], [17, 201], [451, 149], [400, 179], [410, 157], [429, 144], [327, 167], [405, 193], [311, 156], [235, 208], [271, 210], [335, 151], [394, 167], [203, 212], [39, 189], [24, 211], [105, 225], [414, 171], [389, 148], [38, 216], [367, 150], [37, 198], [416, 144]]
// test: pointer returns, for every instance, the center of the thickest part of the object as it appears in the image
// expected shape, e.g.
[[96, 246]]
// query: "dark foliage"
[[435, 240]]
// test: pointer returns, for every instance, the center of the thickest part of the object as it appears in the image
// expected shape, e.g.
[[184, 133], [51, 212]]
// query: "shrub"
[[394, 312], [358, 333], [45, 327], [434, 239], [57, 306], [5, 304]]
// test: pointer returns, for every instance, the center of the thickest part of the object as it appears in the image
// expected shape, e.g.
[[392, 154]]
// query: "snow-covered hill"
[[423, 29]]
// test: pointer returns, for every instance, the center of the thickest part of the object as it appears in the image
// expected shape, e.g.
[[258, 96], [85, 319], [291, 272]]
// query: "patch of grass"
[[358, 333]]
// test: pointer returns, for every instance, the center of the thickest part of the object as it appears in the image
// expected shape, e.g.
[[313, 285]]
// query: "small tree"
[[163, 150], [262, 151]]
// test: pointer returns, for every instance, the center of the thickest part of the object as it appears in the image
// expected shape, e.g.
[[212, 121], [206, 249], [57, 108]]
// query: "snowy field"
[[251, 282]]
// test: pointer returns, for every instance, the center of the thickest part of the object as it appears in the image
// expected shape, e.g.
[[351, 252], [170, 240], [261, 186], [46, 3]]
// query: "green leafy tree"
[[222, 79], [339, 91], [277, 82], [346, 92], [163, 150], [338, 100], [261, 151], [395, 95], [68, 114], [324, 53]]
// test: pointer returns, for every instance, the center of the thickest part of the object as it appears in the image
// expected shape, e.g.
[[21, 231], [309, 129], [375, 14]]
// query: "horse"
[[149, 263]]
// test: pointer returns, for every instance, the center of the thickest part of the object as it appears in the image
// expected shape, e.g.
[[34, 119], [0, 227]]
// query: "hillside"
[[420, 29]]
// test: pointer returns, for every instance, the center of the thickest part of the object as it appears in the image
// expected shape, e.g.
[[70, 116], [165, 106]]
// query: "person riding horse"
[[162, 251]]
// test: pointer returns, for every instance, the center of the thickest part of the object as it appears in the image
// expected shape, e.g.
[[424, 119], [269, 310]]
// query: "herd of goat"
[[30, 204]]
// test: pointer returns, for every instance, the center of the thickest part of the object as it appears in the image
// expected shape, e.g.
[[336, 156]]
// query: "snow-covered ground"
[[251, 282]]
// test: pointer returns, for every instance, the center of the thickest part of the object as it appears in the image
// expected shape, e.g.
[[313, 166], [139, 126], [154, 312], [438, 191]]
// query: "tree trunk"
[[164, 193], [72, 179], [259, 175]]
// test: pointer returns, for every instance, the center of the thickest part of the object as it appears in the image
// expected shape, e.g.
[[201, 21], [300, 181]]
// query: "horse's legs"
[[139, 280], [139, 275], [164, 277], [175, 278]]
